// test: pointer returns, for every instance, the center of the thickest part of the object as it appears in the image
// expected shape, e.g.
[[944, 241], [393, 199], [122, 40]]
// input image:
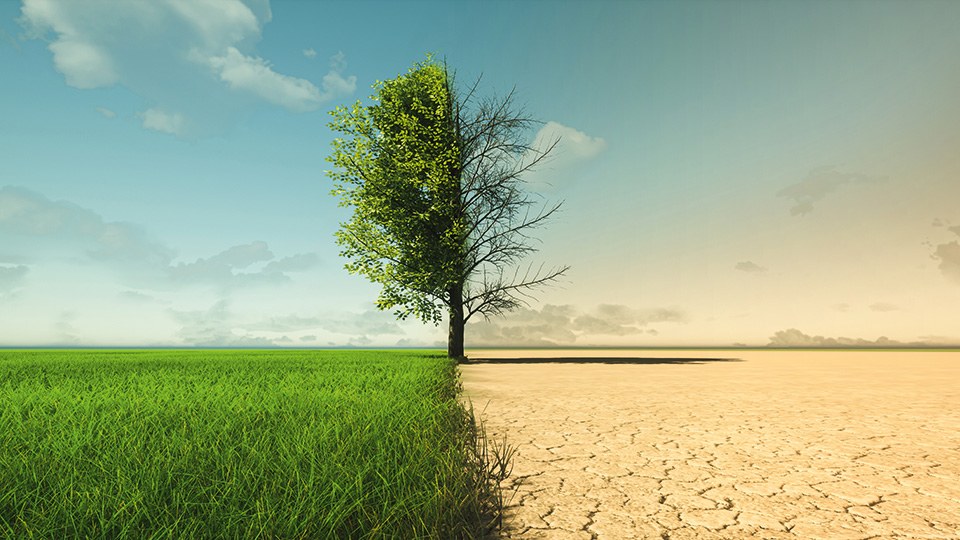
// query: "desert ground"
[[725, 444]]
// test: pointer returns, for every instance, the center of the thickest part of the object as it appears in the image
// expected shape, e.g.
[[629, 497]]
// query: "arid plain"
[[727, 444]]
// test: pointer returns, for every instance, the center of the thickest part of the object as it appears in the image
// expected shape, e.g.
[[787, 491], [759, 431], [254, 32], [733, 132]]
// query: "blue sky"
[[733, 172]]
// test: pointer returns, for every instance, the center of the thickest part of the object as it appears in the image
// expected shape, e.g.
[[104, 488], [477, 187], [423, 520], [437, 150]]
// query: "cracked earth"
[[777, 445]]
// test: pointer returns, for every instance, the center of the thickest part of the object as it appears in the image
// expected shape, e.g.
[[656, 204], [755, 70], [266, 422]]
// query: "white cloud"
[[84, 65], [166, 50], [750, 267], [818, 184], [253, 74], [572, 147], [107, 113], [572, 143], [164, 122], [334, 85], [217, 22], [310, 53], [333, 82], [83, 61]]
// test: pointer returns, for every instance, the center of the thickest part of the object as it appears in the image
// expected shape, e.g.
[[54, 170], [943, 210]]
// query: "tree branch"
[[500, 296]]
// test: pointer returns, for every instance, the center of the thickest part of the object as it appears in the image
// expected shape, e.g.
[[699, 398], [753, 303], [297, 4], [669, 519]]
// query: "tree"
[[440, 218]]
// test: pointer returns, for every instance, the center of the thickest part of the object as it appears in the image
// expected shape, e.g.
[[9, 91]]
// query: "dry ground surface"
[[726, 444]]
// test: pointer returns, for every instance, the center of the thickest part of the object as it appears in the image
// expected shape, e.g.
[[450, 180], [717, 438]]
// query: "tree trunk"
[[455, 336]]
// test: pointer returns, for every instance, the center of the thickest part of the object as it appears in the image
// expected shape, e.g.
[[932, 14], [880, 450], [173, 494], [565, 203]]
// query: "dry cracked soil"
[[725, 444]]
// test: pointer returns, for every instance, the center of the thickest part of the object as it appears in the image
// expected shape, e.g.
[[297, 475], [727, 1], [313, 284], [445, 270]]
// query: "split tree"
[[440, 217]]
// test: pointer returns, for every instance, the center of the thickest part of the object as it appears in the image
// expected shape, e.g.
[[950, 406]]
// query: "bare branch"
[[502, 295]]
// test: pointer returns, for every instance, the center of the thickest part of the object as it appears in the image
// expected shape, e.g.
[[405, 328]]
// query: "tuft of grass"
[[490, 463], [162, 444], [487, 464]]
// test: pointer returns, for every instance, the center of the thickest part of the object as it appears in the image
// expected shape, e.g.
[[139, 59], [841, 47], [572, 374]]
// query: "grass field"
[[236, 444]]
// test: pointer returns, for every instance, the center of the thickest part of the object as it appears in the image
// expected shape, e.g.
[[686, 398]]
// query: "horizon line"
[[904, 347]]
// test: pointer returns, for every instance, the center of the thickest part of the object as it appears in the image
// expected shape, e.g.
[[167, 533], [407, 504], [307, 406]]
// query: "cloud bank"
[[369, 322], [28, 214], [129, 248], [218, 326], [792, 337], [566, 325], [214, 327]]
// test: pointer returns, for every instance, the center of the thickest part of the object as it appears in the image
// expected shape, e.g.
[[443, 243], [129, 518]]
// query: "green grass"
[[238, 444]]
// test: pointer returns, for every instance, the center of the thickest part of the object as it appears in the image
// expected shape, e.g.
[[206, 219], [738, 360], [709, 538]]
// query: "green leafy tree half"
[[440, 218]]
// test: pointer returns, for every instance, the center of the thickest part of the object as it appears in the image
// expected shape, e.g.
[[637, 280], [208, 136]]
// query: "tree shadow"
[[600, 360]]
